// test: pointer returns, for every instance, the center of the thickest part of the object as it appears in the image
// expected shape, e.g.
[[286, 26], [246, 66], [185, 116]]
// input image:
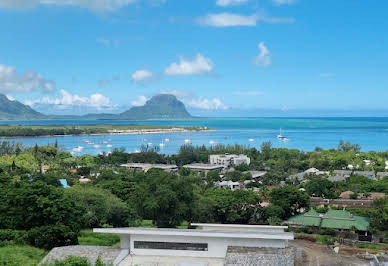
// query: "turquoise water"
[[304, 133]]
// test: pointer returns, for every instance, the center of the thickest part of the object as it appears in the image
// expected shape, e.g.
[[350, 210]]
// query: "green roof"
[[336, 219]]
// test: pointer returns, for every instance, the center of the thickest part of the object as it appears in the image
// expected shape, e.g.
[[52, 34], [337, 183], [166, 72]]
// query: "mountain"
[[158, 107], [14, 110]]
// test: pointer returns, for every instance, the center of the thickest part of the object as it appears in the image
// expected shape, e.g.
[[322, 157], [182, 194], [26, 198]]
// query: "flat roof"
[[196, 233], [241, 226], [204, 166], [149, 165]]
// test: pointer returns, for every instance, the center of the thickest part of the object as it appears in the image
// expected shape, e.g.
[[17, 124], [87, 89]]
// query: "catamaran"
[[280, 136]]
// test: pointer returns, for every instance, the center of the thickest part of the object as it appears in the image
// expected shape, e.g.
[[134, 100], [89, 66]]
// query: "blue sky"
[[221, 57]]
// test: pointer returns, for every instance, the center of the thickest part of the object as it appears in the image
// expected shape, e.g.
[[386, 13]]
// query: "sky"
[[220, 57]]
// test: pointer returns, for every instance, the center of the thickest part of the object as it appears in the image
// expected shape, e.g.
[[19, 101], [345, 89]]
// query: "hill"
[[159, 106], [12, 110]]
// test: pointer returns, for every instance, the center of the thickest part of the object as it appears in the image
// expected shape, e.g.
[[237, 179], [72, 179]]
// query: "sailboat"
[[280, 136]]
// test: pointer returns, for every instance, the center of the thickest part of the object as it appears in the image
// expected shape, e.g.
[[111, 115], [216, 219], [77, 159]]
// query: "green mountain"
[[158, 107], [14, 110]]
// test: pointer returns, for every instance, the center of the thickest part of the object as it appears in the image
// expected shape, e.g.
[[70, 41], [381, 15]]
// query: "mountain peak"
[[16, 110], [159, 106]]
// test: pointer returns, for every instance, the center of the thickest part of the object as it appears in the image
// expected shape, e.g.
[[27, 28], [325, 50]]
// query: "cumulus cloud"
[[226, 3], [11, 81], [142, 75], [181, 94], [139, 101], [228, 20], [10, 97], [68, 100], [264, 57], [284, 2], [199, 65], [95, 5], [207, 104]]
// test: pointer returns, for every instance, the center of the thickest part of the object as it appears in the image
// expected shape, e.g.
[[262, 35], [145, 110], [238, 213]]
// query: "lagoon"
[[304, 133]]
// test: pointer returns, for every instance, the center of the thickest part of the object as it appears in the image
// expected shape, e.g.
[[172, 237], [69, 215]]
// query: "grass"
[[14, 255], [372, 246], [87, 237]]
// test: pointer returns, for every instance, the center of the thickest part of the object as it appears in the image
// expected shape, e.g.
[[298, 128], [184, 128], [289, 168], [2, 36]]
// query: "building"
[[342, 203], [347, 173], [256, 174], [146, 166], [229, 159], [212, 244], [228, 185], [340, 220], [311, 171], [204, 167], [370, 195], [381, 175]]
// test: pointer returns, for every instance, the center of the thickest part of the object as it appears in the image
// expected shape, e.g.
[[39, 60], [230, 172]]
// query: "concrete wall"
[[217, 247]]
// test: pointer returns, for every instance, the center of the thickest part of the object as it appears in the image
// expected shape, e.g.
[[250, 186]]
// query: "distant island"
[[40, 131], [161, 106]]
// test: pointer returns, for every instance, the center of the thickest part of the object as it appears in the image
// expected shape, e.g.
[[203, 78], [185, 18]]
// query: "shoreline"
[[120, 132]]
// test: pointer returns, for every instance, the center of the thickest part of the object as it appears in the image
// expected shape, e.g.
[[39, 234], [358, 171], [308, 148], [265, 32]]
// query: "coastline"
[[121, 132]]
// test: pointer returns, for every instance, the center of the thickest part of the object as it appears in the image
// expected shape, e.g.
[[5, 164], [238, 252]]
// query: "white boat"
[[78, 149], [149, 143], [105, 142], [286, 139], [109, 146], [137, 151], [96, 146], [187, 141], [212, 142], [161, 145], [166, 139], [251, 140], [280, 136]]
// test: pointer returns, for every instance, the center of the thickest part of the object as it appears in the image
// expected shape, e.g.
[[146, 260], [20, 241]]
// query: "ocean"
[[303, 133]]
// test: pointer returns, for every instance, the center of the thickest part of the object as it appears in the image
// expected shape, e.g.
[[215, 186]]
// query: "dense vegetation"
[[36, 131], [36, 210]]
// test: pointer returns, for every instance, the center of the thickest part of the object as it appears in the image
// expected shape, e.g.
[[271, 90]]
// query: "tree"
[[226, 206], [320, 187], [165, 198], [290, 199]]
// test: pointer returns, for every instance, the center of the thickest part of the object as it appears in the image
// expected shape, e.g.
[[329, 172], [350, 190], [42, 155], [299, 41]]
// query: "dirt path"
[[315, 254]]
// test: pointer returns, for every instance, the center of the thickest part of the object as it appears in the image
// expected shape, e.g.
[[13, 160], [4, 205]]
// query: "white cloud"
[[142, 75], [11, 81], [199, 65], [208, 104], [108, 42], [284, 2], [226, 3], [263, 58], [139, 101], [10, 97], [95, 5], [68, 100], [178, 93], [228, 20]]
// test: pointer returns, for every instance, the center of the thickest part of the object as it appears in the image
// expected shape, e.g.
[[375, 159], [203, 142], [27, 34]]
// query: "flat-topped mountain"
[[16, 110], [159, 106]]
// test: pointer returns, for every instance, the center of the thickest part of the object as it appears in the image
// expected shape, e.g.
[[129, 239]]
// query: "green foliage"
[[13, 255], [87, 237], [70, 261], [9, 236], [100, 207], [320, 187], [226, 206], [50, 236], [165, 198], [290, 199]]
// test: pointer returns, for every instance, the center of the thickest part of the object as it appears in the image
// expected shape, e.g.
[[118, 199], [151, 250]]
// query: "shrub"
[[12, 255], [14, 236], [70, 261], [50, 236]]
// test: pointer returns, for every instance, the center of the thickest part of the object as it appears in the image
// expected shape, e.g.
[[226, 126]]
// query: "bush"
[[70, 261], [327, 231], [13, 255], [87, 237], [50, 236], [13, 236]]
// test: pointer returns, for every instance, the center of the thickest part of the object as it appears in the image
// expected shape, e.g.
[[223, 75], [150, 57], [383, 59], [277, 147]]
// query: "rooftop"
[[204, 166]]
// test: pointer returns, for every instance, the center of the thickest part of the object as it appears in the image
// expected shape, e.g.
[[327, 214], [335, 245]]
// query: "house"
[[381, 175], [342, 203], [211, 244], [229, 159], [146, 166], [228, 185], [256, 174], [340, 220], [348, 173], [311, 171], [203, 167]]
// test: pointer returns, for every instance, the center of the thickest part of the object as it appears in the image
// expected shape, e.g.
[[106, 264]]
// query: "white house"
[[146, 166], [228, 185], [207, 246], [229, 159]]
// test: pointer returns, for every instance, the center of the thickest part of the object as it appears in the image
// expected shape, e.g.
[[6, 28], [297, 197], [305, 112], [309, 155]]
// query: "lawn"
[[14, 255]]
